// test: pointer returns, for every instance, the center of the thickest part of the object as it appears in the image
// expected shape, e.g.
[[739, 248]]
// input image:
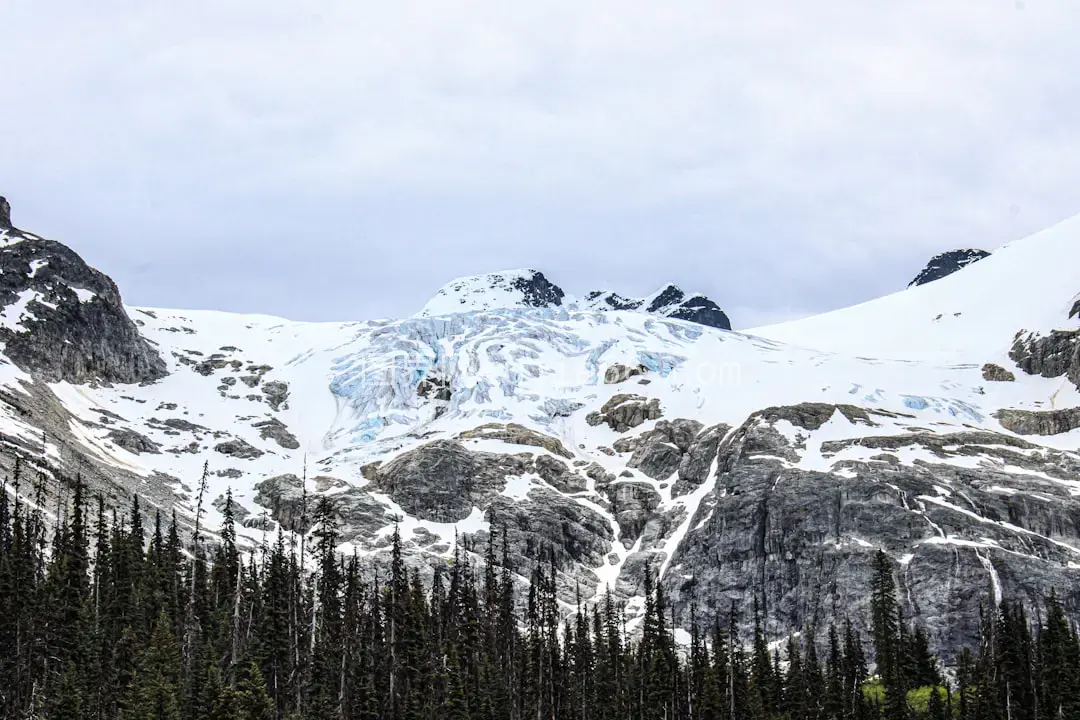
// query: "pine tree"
[[152, 693]]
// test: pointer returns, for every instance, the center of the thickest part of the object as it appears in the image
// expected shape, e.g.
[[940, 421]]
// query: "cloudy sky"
[[342, 159]]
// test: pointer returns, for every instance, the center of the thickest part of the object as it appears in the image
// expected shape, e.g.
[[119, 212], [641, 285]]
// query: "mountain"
[[531, 289], [938, 424], [946, 264]]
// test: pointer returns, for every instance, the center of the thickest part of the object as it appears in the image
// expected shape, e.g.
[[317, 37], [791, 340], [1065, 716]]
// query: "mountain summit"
[[528, 288]]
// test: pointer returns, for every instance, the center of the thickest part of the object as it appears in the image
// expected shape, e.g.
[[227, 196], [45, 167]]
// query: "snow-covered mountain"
[[938, 424], [531, 289]]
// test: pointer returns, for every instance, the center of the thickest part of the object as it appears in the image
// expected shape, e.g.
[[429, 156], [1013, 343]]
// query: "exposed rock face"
[[5, 214], [1048, 422], [277, 394], [626, 411], [537, 291], [1050, 356], [238, 448], [276, 430], [576, 536], [946, 264], [698, 458], [558, 475], [63, 320], [659, 452], [516, 435], [670, 301], [618, 373], [133, 442], [804, 540], [632, 504], [283, 497], [442, 481], [996, 373]]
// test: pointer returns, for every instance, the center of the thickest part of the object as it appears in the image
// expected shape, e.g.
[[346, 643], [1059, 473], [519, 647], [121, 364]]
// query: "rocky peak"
[[670, 301], [946, 264], [508, 289], [61, 319]]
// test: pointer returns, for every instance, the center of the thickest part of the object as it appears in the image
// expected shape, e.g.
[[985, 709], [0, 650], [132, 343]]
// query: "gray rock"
[[239, 449], [600, 476], [695, 464], [277, 431], [133, 442], [656, 457], [1047, 422], [516, 435], [803, 542], [240, 513], [277, 394], [558, 475], [1050, 356], [442, 481], [283, 496], [618, 373], [552, 526], [996, 373], [625, 411], [632, 504], [75, 327]]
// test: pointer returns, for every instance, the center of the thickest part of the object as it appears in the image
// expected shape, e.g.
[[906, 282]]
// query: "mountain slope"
[[969, 316], [732, 465]]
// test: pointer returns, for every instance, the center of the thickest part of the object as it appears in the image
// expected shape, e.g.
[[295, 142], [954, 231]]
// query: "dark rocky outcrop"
[[276, 430], [64, 319], [625, 411], [239, 449], [946, 264], [277, 394], [996, 373], [537, 291], [803, 541], [698, 458], [558, 475], [442, 480], [1051, 356], [1046, 422], [632, 504], [618, 373], [133, 442], [671, 302]]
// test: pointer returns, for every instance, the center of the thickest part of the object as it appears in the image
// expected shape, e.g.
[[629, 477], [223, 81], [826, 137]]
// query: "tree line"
[[103, 617]]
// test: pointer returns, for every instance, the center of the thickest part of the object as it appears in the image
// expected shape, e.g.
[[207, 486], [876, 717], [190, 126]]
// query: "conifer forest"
[[107, 614]]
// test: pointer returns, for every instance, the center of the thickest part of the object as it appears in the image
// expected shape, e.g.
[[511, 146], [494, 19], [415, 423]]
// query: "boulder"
[[239, 449], [996, 373], [618, 373], [133, 442]]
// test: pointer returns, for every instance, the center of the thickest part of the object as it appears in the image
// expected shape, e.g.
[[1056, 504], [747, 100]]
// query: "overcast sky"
[[342, 160]]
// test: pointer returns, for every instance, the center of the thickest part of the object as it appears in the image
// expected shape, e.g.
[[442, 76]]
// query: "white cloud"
[[774, 154]]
